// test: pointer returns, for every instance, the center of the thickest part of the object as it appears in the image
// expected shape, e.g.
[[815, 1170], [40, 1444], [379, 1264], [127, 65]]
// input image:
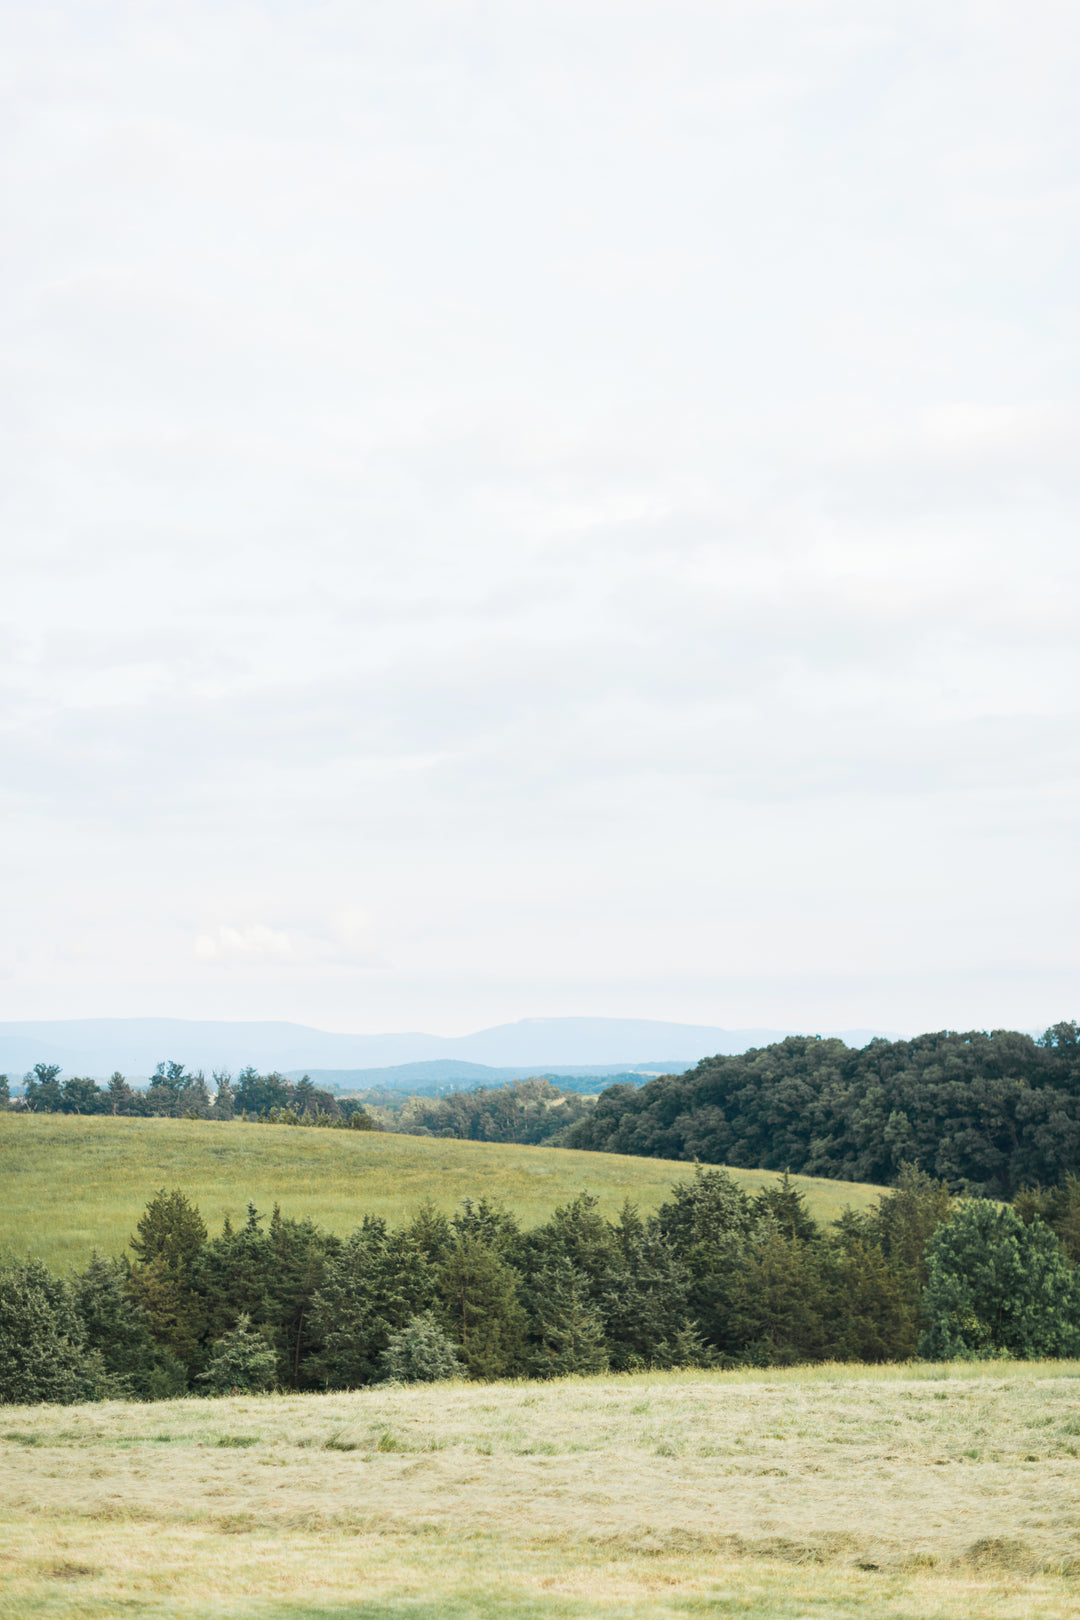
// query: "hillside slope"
[[74, 1184], [988, 1112]]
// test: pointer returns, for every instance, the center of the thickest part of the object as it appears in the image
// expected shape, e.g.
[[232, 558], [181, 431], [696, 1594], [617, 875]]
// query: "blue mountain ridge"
[[98, 1046]]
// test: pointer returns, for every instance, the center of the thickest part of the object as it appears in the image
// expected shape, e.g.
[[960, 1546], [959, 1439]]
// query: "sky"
[[534, 509]]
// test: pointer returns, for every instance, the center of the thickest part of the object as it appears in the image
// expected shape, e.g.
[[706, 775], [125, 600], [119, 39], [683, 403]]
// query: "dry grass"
[[73, 1184], [835, 1492]]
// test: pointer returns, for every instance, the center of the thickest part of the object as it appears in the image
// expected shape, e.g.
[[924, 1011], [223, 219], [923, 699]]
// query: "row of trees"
[[715, 1278], [175, 1093], [986, 1113], [528, 1111]]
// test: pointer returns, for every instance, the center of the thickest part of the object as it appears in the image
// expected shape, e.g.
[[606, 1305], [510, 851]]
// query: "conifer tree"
[[167, 1241], [481, 1306], [44, 1355], [420, 1353], [566, 1328], [241, 1362]]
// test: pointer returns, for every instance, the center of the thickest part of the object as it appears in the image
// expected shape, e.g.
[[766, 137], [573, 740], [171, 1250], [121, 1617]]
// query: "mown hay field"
[[73, 1184], [888, 1494]]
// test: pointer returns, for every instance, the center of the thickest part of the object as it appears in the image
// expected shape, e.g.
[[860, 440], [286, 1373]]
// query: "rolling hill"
[[76, 1184]]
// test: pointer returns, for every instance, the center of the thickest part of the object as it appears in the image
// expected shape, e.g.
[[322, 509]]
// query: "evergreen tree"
[[708, 1225], [566, 1328], [777, 1303], [373, 1285], [44, 1355], [420, 1353], [579, 1235], [119, 1331], [224, 1104], [867, 1305], [167, 1241], [481, 1306], [1059, 1207], [904, 1221], [241, 1362], [490, 1223], [785, 1206], [119, 1096], [231, 1275], [431, 1233], [646, 1301]]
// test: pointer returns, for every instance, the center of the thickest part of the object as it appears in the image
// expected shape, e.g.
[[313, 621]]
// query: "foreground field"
[[75, 1184], [945, 1492]]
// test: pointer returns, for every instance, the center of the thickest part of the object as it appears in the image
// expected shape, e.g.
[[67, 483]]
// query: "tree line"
[[715, 1278], [527, 1111], [986, 1113], [174, 1093]]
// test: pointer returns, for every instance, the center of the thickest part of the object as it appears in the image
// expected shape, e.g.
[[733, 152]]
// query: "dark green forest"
[[714, 1279], [986, 1113]]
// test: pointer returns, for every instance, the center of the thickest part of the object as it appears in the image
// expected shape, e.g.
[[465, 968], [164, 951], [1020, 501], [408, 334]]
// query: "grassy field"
[[827, 1493], [72, 1184]]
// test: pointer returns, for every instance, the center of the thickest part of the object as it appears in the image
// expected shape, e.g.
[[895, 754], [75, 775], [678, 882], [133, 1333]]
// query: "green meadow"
[[75, 1184]]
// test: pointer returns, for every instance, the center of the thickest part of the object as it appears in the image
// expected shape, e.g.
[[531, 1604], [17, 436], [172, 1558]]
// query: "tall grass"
[[74, 1184]]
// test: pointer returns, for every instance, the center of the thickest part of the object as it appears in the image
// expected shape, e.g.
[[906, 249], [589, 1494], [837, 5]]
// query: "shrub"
[[420, 1353]]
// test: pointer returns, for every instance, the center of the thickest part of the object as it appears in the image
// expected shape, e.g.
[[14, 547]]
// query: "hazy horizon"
[[561, 509], [99, 1046]]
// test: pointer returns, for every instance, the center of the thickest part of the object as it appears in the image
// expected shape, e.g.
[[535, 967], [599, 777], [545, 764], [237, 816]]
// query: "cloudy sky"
[[539, 508]]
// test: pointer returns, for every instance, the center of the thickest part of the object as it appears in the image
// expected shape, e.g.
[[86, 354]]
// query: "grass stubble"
[[939, 1492]]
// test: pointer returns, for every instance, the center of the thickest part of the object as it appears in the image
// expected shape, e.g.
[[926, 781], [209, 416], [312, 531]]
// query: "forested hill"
[[988, 1113]]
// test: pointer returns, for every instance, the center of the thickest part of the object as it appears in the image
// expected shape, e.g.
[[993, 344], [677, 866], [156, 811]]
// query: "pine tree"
[[241, 1362], [566, 1328], [482, 1309], [44, 1355], [420, 1353], [372, 1286], [119, 1330], [168, 1239]]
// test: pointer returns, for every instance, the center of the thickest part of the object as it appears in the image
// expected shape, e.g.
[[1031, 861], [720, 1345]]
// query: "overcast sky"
[[524, 509]]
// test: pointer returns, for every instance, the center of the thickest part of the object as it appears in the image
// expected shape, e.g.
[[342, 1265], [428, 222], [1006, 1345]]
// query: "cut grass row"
[[884, 1493], [73, 1185]]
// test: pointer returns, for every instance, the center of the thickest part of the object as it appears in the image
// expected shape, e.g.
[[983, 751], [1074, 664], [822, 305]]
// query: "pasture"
[[75, 1184], [829, 1493]]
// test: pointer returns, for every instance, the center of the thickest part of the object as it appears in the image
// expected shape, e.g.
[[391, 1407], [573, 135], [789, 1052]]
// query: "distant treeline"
[[984, 1113], [523, 1111], [715, 1278], [173, 1093]]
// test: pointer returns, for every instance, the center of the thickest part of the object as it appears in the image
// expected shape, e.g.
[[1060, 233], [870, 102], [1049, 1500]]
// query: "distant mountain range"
[[97, 1046], [441, 1075]]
